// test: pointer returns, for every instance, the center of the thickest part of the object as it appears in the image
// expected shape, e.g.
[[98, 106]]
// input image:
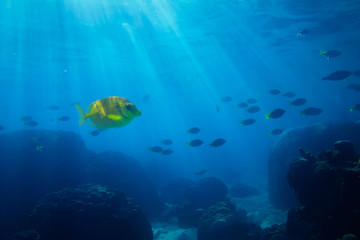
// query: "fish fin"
[[83, 115], [114, 117]]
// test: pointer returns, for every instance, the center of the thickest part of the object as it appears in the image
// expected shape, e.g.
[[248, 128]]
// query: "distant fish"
[[276, 131], [247, 122], [31, 123], [353, 86], [167, 152], [338, 75], [242, 105], [289, 94], [226, 99], [311, 111], [302, 32], [146, 98], [26, 118], [252, 109], [167, 141], [1, 127], [156, 149], [195, 143], [251, 101], [52, 107], [274, 91], [330, 53], [277, 113], [298, 102], [217, 142], [201, 172], [193, 130], [356, 107], [64, 118], [95, 133]]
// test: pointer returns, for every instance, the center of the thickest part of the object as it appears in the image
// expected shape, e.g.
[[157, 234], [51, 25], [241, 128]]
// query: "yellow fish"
[[109, 112]]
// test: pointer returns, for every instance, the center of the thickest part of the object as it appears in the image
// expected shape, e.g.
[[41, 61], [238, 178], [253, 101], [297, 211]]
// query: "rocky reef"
[[327, 186]]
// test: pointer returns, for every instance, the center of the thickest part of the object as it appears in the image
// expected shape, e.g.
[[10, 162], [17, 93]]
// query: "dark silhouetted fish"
[[247, 122], [253, 109], [31, 123], [195, 143], [242, 105], [330, 53], [274, 91], [201, 172], [312, 111], [52, 107], [251, 101], [356, 107], [64, 118], [277, 113], [193, 130], [217, 142], [167, 141], [276, 131], [289, 94], [353, 86], [26, 118], [226, 99], [156, 149], [95, 133], [167, 152], [298, 102], [338, 75]]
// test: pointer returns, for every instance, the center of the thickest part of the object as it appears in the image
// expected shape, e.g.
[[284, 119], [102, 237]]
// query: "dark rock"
[[314, 138], [208, 191], [275, 232], [346, 148], [174, 191], [241, 191], [222, 222], [90, 212], [188, 217], [327, 188]]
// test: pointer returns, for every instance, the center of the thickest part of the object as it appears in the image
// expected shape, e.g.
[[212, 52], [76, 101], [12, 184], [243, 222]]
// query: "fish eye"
[[128, 107]]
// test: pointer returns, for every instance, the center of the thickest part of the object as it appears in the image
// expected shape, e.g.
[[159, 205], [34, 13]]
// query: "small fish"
[[31, 123], [95, 133], [195, 143], [251, 101], [26, 118], [1, 128], [39, 148], [217, 142], [311, 111], [167, 152], [64, 118], [252, 109], [277, 113], [248, 122], [302, 32], [193, 130], [274, 91], [226, 99], [52, 107], [353, 86], [276, 131], [156, 149], [330, 53], [298, 102], [167, 142], [242, 105], [338, 75], [356, 107], [201, 172], [289, 94]]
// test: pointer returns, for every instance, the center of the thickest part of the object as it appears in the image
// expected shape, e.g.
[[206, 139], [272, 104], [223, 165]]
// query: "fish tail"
[[351, 109], [149, 148], [323, 52], [267, 116], [187, 144], [301, 112], [83, 115]]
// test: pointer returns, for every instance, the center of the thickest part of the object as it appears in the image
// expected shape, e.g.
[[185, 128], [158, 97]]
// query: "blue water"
[[176, 60]]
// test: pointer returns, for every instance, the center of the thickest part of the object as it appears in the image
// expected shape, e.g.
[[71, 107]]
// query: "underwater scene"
[[180, 120]]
